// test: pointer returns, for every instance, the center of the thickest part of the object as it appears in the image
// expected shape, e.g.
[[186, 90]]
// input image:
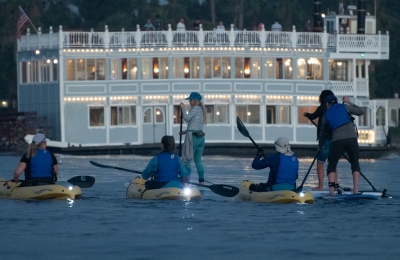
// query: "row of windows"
[[215, 114], [213, 67], [39, 71]]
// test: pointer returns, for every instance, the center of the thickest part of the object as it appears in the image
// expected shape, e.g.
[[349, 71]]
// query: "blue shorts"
[[323, 154]]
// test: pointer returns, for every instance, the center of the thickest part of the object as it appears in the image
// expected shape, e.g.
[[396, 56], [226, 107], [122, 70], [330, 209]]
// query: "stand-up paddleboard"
[[323, 193], [351, 197]]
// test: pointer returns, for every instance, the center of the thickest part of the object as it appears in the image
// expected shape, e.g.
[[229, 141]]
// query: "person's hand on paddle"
[[182, 105], [347, 100], [305, 114], [182, 133], [15, 180], [260, 151]]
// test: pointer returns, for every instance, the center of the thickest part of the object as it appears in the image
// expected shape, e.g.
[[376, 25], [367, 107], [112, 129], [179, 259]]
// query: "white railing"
[[340, 43], [341, 88], [362, 87]]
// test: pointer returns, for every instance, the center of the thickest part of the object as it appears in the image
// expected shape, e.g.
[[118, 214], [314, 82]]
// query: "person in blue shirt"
[[283, 165], [39, 164], [166, 169]]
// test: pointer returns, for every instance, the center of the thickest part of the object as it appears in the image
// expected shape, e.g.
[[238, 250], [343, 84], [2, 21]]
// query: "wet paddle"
[[300, 188], [242, 129], [220, 189], [82, 181]]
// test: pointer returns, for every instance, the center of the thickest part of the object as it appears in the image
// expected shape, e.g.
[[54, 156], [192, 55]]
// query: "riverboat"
[[116, 88]]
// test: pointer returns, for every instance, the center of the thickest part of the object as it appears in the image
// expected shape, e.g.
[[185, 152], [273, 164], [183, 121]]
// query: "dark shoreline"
[[228, 149]]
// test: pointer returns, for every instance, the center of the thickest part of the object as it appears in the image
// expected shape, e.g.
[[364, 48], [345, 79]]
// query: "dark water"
[[106, 225]]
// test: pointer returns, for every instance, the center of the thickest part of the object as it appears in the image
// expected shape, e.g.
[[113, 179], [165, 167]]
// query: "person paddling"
[[40, 165], [344, 138], [194, 141], [283, 165], [166, 169], [322, 154]]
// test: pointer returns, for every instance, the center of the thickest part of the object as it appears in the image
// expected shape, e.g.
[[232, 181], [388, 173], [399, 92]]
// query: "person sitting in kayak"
[[40, 165], [283, 165], [166, 169]]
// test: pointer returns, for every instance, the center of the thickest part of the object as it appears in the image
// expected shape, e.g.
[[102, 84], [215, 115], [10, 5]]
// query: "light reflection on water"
[[105, 225]]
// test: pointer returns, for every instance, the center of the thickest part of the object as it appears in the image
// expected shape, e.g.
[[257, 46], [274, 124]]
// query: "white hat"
[[38, 138], [282, 146]]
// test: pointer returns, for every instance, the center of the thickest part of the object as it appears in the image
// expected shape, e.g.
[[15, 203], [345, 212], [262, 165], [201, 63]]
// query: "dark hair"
[[324, 94], [169, 143]]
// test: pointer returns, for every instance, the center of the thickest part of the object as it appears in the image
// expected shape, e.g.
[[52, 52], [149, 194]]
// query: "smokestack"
[[317, 15], [361, 17]]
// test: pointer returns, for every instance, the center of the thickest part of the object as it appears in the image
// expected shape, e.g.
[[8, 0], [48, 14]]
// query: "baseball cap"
[[194, 96]]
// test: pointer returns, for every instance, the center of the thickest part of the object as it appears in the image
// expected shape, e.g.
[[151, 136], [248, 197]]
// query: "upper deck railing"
[[339, 43]]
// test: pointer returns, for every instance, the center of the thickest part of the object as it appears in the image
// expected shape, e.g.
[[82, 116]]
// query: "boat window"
[[207, 67], [159, 115], [114, 69], [226, 67], [80, 69], [96, 116], [186, 67], [132, 68], [256, 68], [364, 119], [178, 67], [123, 115], [70, 69], [147, 119], [270, 68], [217, 114], [54, 66], [146, 68], [301, 119], [278, 115], [248, 113], [239, 61], [156, 69], [195, 67], [45, 71], [338, 70], [23, 72]]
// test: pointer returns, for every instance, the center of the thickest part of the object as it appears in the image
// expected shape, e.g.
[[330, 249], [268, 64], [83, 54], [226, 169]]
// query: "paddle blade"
[[242, 129], [224, 190], [82, 181]]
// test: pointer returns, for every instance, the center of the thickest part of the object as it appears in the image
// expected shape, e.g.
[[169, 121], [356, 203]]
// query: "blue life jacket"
[[288, 168], [337, 116], [168, 167], [41, 165]]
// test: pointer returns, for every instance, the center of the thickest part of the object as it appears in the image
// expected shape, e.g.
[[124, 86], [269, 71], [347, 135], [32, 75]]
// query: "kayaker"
[[166, 169], [194, 140], [322, 154], [338, 119], [40, 165], [283, 165]]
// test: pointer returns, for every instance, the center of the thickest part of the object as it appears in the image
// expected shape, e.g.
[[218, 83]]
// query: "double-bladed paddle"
[[220, 189]]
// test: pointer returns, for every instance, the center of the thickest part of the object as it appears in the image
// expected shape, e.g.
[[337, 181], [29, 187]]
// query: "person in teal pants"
[[194, 140]]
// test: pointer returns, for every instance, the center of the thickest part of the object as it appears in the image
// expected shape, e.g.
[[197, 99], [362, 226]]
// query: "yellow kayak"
[[137, 190], [283, 196], [11, 190]]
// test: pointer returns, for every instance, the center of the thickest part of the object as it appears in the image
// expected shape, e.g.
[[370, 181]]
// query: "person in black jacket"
[[322, 154]]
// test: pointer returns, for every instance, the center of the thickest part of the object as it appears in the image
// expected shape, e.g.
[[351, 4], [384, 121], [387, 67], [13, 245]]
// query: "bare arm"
[[19, 170]]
